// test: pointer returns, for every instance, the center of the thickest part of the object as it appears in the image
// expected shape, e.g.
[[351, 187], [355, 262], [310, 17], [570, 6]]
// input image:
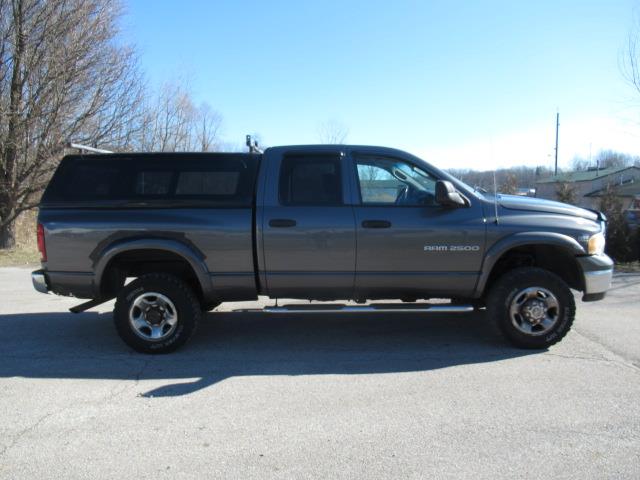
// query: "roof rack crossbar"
[[86, 148]]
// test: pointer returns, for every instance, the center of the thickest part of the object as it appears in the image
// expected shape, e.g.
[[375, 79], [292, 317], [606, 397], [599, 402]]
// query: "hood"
[[514, 202]]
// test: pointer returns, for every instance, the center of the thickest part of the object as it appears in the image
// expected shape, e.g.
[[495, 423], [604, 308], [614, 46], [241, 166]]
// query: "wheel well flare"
[[138, 262]]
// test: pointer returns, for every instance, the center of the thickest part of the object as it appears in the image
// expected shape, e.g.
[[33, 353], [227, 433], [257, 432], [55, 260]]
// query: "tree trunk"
[[8, 173], [8, 235]]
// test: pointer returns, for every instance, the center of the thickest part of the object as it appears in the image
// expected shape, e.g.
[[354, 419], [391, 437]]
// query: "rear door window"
[[310, 180]]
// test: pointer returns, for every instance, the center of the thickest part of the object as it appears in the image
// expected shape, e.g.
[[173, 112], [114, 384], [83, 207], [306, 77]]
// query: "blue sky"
[[466, 83]]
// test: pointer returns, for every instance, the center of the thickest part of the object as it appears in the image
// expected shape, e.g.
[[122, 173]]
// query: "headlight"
[[595, 245]]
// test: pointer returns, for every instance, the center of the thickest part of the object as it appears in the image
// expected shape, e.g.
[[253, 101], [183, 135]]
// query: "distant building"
[[589, 185], [629, 195]]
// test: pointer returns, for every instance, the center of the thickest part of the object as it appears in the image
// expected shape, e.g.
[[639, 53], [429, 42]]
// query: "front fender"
[[521, 239], [192, 257]]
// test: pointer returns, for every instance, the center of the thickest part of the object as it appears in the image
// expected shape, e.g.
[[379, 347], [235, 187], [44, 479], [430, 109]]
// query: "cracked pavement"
[[316, 396]]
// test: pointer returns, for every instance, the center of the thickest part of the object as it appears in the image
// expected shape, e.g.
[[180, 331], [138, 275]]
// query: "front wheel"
[[532, 307], [156, 313]]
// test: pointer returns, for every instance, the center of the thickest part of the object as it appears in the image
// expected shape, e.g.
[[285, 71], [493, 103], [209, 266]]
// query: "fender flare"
[[193, 258], [493, 254]]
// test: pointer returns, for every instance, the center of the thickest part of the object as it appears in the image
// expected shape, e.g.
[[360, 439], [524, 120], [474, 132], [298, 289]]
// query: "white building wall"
[[548, 190]]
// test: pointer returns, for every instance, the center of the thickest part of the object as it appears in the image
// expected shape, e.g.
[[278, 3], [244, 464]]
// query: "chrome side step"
[[388, 308]]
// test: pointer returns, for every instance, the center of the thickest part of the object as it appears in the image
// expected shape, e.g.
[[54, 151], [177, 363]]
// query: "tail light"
[[42, 247]]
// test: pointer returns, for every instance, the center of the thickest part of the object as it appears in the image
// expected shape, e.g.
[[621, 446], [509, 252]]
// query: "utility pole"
[[557, 128]]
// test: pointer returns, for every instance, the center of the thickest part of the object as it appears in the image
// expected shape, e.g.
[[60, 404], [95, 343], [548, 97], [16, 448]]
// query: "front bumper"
[[39, 280], [597, 273]]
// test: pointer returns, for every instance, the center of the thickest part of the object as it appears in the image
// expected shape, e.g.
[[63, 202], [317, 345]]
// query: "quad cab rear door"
[[306, 225]]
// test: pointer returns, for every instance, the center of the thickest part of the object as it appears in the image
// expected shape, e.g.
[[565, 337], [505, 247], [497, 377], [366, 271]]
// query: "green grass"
[[20, 256]]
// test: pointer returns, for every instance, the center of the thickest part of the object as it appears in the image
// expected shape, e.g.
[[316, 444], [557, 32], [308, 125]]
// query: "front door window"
[[389, 181]]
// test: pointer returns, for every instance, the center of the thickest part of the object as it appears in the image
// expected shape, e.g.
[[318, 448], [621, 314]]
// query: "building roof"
[[585, 175], [630, 189]]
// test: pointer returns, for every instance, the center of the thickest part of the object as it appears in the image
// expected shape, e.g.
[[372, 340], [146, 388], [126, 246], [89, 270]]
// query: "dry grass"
[[629, 267], [26, 229], [25, 252], [20, 257]]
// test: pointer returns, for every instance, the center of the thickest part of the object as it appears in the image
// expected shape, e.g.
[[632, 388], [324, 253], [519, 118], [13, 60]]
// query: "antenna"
[[495, 195], [495, 184], [557, 129]]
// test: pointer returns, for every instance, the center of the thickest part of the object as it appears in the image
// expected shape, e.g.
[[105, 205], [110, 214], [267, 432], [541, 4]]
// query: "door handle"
[[376, 224], [282, 223]]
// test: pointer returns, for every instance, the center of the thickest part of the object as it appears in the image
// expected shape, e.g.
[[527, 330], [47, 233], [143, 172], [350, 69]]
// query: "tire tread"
[[120, 312], [519, 278]]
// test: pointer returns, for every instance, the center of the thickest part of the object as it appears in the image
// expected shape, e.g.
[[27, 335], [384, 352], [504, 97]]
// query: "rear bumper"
[[597, 273], [75, 284], [39, 280]]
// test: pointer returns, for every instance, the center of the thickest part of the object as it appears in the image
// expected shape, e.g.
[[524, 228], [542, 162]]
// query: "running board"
[[90, 304], [392, 308]]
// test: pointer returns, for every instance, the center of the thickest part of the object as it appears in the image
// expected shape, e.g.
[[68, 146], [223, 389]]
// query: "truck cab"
[[363, 223]]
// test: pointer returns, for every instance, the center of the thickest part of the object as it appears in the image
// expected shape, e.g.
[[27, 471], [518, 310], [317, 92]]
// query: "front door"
[[309, 229], [409, 246]]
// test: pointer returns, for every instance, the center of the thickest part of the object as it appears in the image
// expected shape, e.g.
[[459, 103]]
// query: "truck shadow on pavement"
[[85, 346]]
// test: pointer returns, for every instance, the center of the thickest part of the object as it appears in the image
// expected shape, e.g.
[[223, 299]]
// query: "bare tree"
[[63, 77], [525, 176], [631, 57], [579, 164], [168, 120], [171, 123], [605, 159], [611, 158], [207, 128], [333, 132], [510, 185]]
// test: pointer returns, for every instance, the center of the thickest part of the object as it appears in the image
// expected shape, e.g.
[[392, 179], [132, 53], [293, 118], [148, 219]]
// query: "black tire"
[[180, 298], [512, 292]]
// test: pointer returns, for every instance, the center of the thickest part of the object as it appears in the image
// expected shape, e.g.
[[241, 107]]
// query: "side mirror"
[[448, 196]]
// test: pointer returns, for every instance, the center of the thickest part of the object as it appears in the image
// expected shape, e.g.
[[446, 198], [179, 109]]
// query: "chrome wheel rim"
[[153, 317], [534, 311]]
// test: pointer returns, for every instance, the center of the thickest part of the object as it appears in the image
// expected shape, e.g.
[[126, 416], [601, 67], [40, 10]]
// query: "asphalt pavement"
[[321, 396]]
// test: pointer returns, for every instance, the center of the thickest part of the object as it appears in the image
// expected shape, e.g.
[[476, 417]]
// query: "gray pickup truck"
[[170, 235]]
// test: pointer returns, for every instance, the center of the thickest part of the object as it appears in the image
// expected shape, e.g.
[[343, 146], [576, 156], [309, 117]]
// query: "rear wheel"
[[532, 307], [156, 313]]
